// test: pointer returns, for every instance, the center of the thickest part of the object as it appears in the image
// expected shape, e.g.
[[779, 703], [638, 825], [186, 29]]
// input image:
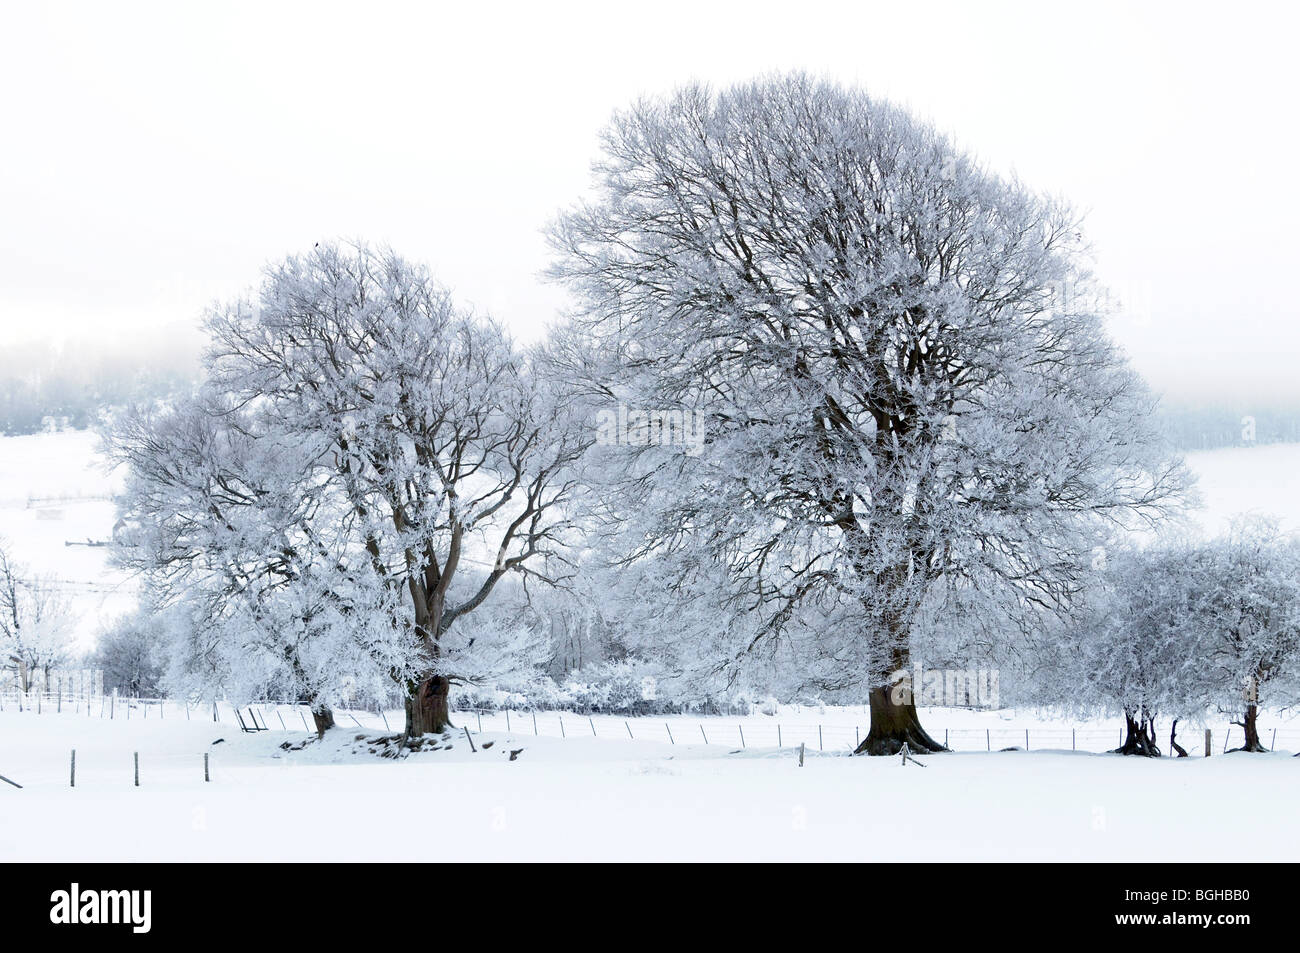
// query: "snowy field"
[[56, 496], [605, 787], [597, 798]]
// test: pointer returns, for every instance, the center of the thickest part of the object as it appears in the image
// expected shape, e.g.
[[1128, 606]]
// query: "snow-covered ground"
[[598, 798], [605, 787], [1264, 480]]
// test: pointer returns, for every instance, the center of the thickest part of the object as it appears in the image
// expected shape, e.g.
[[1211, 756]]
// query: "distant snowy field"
[[584, 798], [55, 489]]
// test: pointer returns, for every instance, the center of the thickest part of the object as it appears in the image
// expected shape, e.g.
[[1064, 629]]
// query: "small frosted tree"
[[1179, 629], [1129, 648], [131, 651], [1247, 617], [252, 567], [36, 620]]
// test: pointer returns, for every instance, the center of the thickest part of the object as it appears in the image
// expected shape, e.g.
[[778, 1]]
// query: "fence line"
[[730, 731]]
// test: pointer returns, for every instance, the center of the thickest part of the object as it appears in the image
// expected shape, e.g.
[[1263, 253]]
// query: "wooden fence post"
[[801, 754], [205, 767], [1209, 742], [137, 769], [72, 780]]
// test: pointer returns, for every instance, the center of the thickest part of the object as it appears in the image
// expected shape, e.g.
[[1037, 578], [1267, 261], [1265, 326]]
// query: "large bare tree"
[[900, 357]]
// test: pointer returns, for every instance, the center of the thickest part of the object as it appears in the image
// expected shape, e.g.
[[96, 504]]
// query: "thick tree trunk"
[[1250, 726], [893, 724], [1139, 738], [894, 721], [428, 707], [324, 718]]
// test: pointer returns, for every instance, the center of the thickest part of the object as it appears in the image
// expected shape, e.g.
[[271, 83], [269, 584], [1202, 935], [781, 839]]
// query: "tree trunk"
[[324, 718], [427, 706], [1174, 746], [1251, 728], [894, 721], [1139, 736], [894, 724]]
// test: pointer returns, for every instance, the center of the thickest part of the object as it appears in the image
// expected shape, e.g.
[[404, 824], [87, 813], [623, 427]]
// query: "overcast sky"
[[154, 158]]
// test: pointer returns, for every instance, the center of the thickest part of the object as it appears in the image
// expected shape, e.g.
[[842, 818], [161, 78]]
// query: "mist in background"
[[67, 383], [156, 156]]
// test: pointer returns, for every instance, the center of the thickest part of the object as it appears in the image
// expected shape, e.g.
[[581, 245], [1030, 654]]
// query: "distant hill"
[[1229, 424]]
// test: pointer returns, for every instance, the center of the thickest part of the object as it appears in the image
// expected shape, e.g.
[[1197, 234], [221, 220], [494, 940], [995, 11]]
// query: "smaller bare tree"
[[35, 620]]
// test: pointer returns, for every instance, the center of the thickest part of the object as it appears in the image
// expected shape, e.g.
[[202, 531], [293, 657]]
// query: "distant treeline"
[[44, 385], [1231, 424]]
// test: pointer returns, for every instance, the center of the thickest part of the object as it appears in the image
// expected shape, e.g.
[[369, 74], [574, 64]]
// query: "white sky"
[[152, 158]]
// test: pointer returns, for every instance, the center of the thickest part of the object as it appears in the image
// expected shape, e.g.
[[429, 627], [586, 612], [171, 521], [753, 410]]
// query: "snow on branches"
[[364, 465], [899, 357]]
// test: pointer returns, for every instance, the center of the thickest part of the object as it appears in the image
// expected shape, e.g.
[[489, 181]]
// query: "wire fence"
[[797, 728]]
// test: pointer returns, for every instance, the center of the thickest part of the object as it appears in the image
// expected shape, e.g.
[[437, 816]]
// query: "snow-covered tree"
[[900, 364], [1130, 647], [131, 651], [36, 621], [386, 450], [1178, 629], [1247, 621], [252, 565]]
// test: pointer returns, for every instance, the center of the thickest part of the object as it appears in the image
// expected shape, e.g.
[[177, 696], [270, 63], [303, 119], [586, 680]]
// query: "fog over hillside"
[[68, 381]]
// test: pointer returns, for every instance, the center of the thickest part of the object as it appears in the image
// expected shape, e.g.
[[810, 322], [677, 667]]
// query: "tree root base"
[[917, 741]]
